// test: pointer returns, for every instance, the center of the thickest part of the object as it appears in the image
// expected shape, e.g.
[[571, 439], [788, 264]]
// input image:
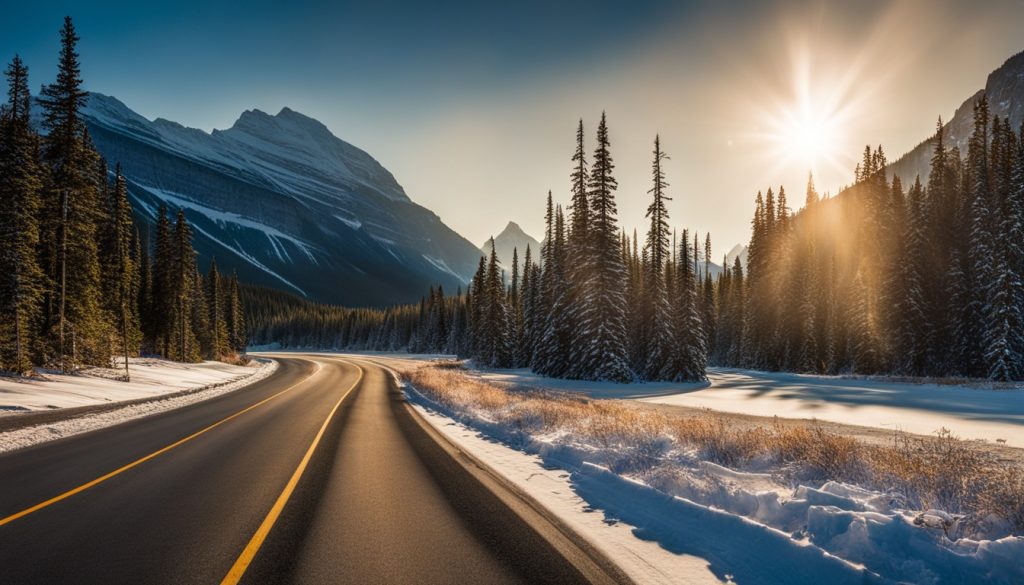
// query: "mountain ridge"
[[285, 202]]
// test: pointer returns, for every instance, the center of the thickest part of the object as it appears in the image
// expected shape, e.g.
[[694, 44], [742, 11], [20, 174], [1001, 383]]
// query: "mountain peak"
[[511, 238], [512, 229]]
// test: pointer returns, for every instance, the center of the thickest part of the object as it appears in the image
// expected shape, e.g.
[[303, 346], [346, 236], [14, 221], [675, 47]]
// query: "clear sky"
[[473, 106]]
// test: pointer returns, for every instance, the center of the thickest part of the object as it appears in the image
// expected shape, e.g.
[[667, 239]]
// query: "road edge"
[[590, 561], [77, 418]]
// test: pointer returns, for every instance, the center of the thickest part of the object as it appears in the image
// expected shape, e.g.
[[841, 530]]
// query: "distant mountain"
[[286, 203], [1005, 89], [512, 237], [738, 251]]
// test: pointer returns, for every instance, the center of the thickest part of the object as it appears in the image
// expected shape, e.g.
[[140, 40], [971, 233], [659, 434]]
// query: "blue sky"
[[473, 105]]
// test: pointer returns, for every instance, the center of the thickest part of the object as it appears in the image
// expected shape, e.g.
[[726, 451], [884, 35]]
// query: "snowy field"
[[156, 386], [667, 514], [150, 377], [970, 413]]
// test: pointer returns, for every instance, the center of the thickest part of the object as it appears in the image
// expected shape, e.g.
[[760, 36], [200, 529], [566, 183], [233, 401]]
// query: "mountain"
[[286, 203], [512, 237], [1005, 89], [738, 251]]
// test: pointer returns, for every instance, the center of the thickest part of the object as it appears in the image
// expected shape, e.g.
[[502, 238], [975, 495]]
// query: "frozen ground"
[[178, 384], [971, 413], [149, 377], [687, 520]]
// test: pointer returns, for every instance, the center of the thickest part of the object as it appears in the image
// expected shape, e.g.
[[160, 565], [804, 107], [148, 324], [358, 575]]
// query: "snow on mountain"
[[511, 238], [738, 251], [286, 203]]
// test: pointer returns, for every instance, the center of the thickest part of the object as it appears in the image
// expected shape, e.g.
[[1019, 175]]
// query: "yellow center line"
[[247, 556], [142, 460]]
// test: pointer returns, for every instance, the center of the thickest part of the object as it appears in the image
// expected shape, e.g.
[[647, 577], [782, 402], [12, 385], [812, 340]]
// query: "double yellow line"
[[249, 553]]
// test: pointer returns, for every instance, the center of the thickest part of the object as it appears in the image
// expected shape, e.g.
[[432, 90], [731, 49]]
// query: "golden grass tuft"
[[942, 472]]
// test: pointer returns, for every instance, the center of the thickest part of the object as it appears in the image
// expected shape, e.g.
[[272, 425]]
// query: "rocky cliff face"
[[285, 203], [1005, 90]]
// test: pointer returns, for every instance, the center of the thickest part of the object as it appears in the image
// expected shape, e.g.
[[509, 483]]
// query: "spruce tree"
[[21, 279], [689, 352], [72, 210], [216, 293], [237, 329], [120, 274], [659, 313], [603, 314]]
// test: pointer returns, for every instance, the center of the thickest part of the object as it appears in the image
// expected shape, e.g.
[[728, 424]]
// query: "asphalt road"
[[317, 474]]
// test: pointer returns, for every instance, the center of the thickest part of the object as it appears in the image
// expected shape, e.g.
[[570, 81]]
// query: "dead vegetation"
[[940, 472]]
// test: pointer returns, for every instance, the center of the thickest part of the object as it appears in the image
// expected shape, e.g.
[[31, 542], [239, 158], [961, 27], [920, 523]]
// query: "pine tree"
[[603, 314], [555, 351], [216, 293], [120, 274], [184, 345], [659, 313], [689, 352], [497, 349], [72, 209], [909, 311], [161, 309], [21, 279], [237, 330]]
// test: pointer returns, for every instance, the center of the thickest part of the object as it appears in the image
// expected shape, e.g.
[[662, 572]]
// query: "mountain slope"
[[512, 238], [1005, 89], [285, 203]]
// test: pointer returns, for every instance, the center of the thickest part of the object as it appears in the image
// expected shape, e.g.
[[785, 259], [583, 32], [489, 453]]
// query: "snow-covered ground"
[[150, 377], [688, 520], [969, 412], [178, 384]]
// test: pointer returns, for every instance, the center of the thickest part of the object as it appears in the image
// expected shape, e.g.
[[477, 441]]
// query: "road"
[[318, 474]]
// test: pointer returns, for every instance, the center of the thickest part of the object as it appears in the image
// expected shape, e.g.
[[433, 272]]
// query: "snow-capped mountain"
[[738, 251], [511, 238], [1005, 90], [286, 203]]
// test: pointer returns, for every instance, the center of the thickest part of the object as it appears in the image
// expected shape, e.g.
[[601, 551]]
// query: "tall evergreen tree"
[[21, 279], [216, 300], [603, 316], [120, 273], [659, 312], [72, 210]]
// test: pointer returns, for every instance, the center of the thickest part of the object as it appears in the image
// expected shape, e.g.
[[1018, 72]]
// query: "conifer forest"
[[82, 281], [892, 276]]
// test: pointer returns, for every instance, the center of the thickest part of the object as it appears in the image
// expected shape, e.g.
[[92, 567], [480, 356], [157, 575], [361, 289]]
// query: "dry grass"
[[941, 472]]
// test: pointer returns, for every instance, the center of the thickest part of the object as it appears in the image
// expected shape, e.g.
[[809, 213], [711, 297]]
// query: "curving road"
[[320, 473]]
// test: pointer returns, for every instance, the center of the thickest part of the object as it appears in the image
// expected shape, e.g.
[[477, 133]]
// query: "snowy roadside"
[[971, 412], [157, 386], [669, 512]]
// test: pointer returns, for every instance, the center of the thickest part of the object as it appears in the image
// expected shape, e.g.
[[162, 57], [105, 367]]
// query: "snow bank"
[[746, 526], [149, 378], [995, 415]]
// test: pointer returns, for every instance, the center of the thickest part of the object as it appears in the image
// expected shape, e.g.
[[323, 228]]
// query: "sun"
[[806, 136]]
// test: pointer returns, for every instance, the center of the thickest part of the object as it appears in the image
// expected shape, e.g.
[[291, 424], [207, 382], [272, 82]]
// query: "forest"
[[920, 279], [80, 282]]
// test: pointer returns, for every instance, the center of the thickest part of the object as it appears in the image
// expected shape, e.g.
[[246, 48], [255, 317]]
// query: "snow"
[[352, 223], [443, 267], [248, 258], [713, 524], [149, 377], [643, 559], [181, 384], [970, 413], [225, 217]]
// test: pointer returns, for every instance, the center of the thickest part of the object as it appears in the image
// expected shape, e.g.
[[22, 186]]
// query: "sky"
[[473, 105]]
